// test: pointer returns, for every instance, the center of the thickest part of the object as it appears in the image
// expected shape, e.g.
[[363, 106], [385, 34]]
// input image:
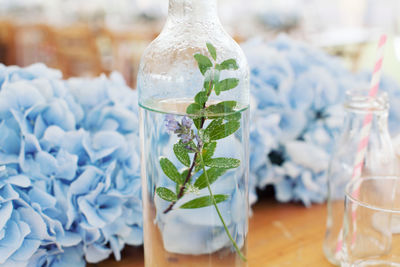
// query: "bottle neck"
[[193, 11], [355, 121]]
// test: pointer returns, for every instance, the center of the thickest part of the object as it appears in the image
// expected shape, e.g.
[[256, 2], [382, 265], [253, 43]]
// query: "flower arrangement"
[[69, 186], [69, 153], [297, 94]]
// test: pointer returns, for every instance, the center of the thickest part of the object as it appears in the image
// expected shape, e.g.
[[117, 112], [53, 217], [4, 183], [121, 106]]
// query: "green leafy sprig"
[[224, 121]]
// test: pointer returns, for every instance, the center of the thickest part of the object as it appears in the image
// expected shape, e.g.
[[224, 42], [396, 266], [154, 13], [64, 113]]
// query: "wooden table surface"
[[280, 235]]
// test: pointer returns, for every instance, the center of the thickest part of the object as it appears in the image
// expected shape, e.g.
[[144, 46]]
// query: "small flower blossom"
[[171, 124], [183, 129], [187, 122], [186, 138], [192, 189]]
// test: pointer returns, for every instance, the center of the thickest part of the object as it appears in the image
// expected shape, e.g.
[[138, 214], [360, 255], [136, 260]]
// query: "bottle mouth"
[[360, 100]]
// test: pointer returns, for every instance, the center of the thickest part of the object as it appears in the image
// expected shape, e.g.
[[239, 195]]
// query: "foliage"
[[212, 123]]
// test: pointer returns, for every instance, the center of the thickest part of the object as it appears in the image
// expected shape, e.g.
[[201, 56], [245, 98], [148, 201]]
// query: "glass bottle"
[[193, 87], [379, 159]]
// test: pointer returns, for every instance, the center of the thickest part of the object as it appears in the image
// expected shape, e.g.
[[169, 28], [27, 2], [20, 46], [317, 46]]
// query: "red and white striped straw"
[[374, 86], [365, 130]]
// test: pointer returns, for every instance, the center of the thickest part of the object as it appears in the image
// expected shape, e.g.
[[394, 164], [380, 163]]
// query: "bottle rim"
[[360, 100]]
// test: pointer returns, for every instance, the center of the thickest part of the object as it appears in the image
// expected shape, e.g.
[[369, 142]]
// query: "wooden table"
[[280, 235]]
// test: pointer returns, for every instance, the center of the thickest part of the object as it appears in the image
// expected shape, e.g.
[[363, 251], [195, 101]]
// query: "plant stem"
[[242, 257], [182, 188]]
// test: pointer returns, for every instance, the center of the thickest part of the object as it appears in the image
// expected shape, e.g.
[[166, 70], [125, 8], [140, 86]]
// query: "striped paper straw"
[[365, 130]]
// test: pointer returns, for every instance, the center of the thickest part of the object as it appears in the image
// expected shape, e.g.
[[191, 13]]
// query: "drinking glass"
[[371, 226]]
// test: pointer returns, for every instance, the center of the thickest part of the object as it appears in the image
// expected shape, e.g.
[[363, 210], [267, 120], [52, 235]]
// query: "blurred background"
[[89, 37]]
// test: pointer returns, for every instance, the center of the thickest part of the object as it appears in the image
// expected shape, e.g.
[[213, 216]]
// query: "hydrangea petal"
[[9, 140], [96, 253], [69, 239], [109, 207], [90, 213], [19, 180], [307, 155], [25, 251], [126, 119], [57, 113], [70, 257], [86, 181], [44, 199], [8, 193], [19, 95], [13, 239], [103, 144], [89, 233], [40, 126], [135, 238], [116, 246], [52, 137], [31, 143], [47, 163], [5, 213], [67, 165]]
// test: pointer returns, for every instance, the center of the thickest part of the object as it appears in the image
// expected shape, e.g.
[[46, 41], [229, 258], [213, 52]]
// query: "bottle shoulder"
[[179, 44], [168, 68]]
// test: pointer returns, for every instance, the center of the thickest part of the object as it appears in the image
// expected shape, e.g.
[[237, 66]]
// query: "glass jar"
[[193, 87], [379, 159]]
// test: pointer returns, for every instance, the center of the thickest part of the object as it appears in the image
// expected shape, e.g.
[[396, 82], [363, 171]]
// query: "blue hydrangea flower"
[[69, 187], [297, 93]]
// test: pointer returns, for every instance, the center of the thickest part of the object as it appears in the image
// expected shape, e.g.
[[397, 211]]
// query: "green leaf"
[[208, 85], [197, 123], [166, 194], [233, 117], [226, 85], [212, 50], [217, 89], [203, 62], [227, 105], [214, 124], [204, 136], [212, 173], [192, 145], [170, 170], [208, 150], [224, 163], [222, 107], [201, 98], [229, 64], [210, 78], [182, 154], [185, 174], [223, 130], [198, 165], [193, 108], [202, 202]]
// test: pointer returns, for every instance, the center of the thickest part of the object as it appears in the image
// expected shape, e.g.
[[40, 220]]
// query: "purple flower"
[[183, 129], [186, 122], [171, 124], [186, 138]]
